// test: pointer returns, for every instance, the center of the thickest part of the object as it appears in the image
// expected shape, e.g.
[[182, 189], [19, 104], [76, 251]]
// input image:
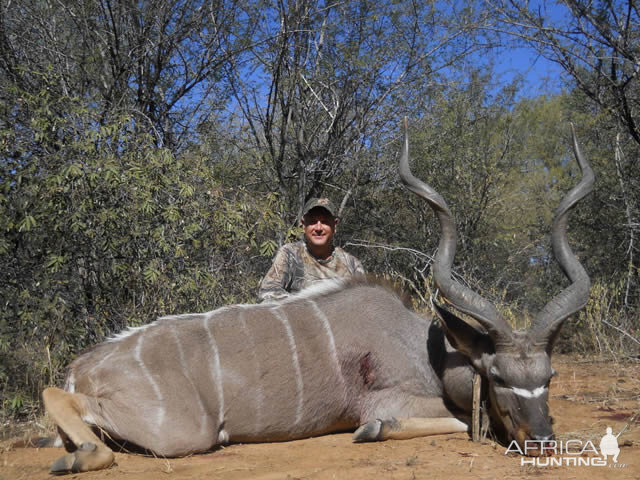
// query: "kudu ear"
[[463, 337]]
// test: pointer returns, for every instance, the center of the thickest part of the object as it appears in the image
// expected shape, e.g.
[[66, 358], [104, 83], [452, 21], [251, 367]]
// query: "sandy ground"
[[586, 397]]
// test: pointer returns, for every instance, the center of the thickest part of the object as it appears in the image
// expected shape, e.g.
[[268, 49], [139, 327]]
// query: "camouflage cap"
[[319, 202]]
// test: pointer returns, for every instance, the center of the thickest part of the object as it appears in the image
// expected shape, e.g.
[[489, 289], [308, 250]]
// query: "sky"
[[541, 76]]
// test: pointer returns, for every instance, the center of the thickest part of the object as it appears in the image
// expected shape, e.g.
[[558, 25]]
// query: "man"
[[298, 265]]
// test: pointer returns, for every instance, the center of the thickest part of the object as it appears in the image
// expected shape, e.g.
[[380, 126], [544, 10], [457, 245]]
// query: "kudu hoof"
[[369, 432], [87, 457]]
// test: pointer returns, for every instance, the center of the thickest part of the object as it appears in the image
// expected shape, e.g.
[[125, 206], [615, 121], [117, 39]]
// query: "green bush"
[[103, 229]]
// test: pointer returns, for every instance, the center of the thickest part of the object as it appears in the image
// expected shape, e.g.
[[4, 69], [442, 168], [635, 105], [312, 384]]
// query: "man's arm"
[[353, 264], [274, 284]]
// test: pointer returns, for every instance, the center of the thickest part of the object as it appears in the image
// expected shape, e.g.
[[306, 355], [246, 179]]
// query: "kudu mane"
[[321, 290], [329, 288]]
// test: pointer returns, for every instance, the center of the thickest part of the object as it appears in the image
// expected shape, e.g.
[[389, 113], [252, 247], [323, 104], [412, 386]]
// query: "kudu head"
[[516, 364]]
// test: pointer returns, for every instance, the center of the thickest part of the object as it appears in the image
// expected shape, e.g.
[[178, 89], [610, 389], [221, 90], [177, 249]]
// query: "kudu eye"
[[553, 374], [496, 378]]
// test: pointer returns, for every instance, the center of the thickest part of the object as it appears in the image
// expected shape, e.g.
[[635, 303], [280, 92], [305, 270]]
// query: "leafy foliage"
[[102, 230]]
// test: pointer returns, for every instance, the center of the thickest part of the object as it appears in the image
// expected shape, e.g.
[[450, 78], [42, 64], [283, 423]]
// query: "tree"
[[159, 61], [324, 92], [597, 43]]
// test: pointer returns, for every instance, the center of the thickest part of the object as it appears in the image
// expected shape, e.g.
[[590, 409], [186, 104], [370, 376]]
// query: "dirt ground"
[[586, 397]]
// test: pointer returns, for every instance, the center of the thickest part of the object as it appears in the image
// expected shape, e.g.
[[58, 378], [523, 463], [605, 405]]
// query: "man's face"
[[319, 227]]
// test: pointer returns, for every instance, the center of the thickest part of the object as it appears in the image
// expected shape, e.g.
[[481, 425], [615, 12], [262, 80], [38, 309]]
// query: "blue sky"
[[541, 76]]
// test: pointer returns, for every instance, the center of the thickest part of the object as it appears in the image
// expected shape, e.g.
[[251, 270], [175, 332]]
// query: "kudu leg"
[[399, 416], [405, 428], [66, 410]]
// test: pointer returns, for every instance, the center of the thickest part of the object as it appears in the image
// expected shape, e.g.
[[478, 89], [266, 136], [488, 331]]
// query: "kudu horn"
[[575, 296], [572, 299]]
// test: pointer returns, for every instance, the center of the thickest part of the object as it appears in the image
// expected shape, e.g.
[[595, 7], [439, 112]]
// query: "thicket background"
[[154, 155]]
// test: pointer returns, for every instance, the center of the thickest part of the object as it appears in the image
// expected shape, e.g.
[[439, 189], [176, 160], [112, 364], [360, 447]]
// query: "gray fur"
[[341, 355], [331, 361]]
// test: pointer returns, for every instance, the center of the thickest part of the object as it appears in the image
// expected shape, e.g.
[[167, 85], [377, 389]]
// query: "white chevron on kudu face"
[[523, 392]]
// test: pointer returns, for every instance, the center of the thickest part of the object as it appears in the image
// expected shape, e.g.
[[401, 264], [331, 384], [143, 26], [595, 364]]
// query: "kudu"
[[344, 355]]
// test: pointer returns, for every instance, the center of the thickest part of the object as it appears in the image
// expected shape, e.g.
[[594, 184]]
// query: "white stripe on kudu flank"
[[187, 373], [522, 392], [280, 315], [257, 385], [216, 371], [332, 343], [95, 371], [160, 412]]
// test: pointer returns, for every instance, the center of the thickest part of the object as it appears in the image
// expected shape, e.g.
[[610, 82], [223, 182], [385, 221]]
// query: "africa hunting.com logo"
[[570, 453]]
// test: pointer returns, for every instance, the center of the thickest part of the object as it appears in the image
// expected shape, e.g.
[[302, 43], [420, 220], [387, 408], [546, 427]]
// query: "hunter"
[[314, 258]]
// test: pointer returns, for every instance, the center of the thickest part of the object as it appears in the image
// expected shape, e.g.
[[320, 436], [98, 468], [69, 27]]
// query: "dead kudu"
[[345, 355]]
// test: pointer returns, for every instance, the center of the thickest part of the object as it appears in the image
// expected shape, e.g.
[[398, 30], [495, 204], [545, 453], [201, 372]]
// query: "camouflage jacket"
[[294, 268]]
